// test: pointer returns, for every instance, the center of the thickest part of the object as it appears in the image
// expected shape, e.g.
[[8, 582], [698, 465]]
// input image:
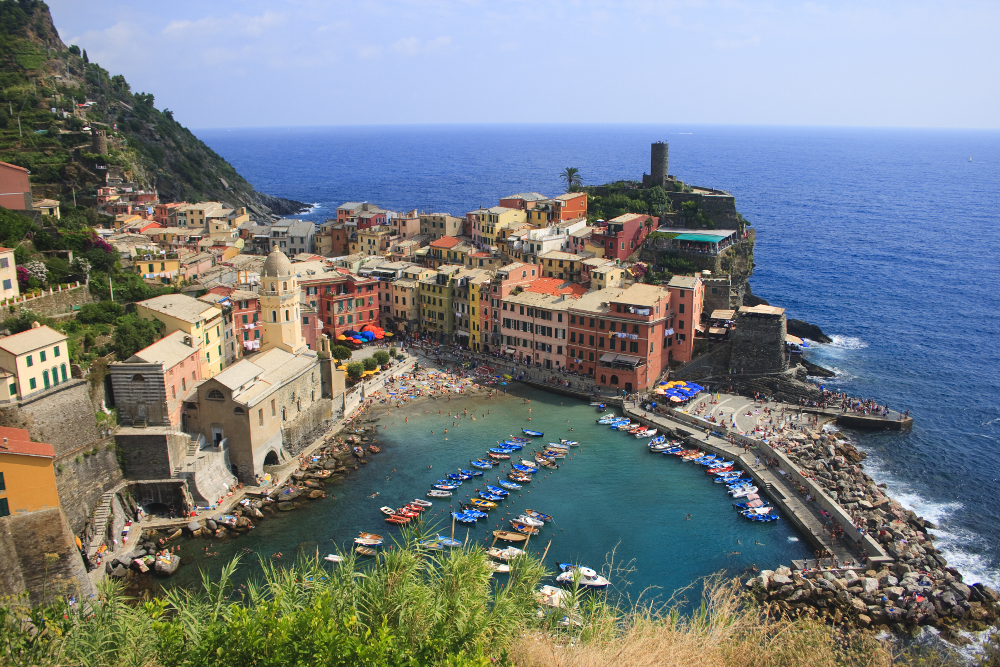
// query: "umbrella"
[[676, 399], [388, 334], [341, 337]]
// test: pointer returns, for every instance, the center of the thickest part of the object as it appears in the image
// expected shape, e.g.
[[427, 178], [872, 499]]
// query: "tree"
[[393, 352], [369, 363], [382, 357], [133, 334], [572, 177], [355, 369], [106, 312], [340, 352]]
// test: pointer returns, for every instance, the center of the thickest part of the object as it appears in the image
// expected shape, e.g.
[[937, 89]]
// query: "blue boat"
[[447, 541], [527, 469], [478, 514], [717, 463], [728, 480], [497, 491], [672, 451], [471, 473], [513, 446], [517, 438], [453, 482], [445, 487], [510, 485], [489, 496], [481, 464], [607, 419], [459, 476], [463, 518], [500, 450], [533, 434]]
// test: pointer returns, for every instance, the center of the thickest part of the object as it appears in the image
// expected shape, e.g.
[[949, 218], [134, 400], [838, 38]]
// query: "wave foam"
[[846, 342]]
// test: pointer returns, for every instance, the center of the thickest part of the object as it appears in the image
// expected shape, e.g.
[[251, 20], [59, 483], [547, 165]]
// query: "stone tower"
[[658, 163], [279, 305], [99, 142]]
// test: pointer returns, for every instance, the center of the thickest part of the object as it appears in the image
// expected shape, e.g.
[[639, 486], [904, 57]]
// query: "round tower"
[[279, 305], [658, 163], [99, 142]]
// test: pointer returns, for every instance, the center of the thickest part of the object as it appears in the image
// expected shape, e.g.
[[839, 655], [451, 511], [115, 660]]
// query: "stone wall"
[[713, 363], [716, 204], [150, 453], [717, 294], [63, 416], [38, 555], [308, 426], [758, 345], [57, 303], [82, 479], [139, 400]]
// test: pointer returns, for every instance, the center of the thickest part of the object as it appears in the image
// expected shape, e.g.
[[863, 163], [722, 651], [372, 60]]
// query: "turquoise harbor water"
[[888, 239], [612, 497]]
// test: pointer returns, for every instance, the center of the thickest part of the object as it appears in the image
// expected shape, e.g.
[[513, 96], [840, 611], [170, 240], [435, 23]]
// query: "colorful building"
[[27, 474], [32, 361], [9, 289], [623, 235], [150, 386], [200, 320]]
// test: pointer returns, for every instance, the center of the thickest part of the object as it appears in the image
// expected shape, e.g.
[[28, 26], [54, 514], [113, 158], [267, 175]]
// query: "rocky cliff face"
[[40, 73]]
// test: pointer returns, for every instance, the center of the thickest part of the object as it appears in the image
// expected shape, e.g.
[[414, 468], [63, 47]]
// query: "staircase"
[[102, 515]]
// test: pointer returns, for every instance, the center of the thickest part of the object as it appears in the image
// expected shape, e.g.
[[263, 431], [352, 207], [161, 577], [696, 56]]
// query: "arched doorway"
[[614, 380], [604, 379], [271, 459]]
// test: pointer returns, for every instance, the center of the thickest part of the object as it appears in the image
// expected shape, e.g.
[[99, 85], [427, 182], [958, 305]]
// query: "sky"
[[282, 63]]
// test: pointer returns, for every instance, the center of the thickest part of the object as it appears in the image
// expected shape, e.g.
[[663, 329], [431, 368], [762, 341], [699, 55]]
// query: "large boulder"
[[286, 506], [193, 526], [779, 580], [960, 589], [869, 585]]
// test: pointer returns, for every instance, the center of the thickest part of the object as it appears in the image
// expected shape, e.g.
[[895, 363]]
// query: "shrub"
[[340, 352], [370, 363], [392, 352], [105, 312], [382, 357], [355, 369]]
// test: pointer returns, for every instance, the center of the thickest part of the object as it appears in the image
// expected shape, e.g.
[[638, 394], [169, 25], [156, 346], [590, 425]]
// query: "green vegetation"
[[340, 352], [625, 197], [573, 179], [133, 334], [411, 607], [355, 370], [381, 357], [694, 217], [369, 363]]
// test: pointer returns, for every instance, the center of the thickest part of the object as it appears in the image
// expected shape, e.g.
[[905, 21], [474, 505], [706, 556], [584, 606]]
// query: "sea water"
[[886, 238], [654, 523]]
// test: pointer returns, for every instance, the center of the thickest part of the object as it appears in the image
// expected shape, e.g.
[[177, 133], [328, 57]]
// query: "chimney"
[[35, 325], [187, 341]]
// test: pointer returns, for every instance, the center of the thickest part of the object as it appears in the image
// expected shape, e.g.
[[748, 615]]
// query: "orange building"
[[27, 476], [574, 205]]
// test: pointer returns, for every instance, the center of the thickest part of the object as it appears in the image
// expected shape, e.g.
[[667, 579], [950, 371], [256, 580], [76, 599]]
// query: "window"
[[283, 415], [287, 316], [30, 362], [173, 391], [138, 378], [274, 316], [55, 351], [239, 411], [680, 308], [215, 395], [272, 408], [680, 325], [7, 284], [32, 384], [62, 369], [591, 356], [12, 388], [4, 263], [183, 384], [4, 507], [45, 379], [260, 417], [284, 285]]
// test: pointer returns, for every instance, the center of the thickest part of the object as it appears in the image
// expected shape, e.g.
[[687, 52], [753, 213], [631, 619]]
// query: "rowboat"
[[482, 465], [463, 518], [497, 491], [558, 445], [453, 482], [608, 418], [514, 445], [499, 568], [510, 485], [582, 576], [554, 454], [596, 403], [601, 407], [398, 520], [517, 438], [529, 520], [655, 446], [365, 542], [550, 596], [692, 457], [388, 511], [528, 463], [505, 553], [635, 429], [500, 450], [763, 518], [498, 457], [508, 536], [422, 503], [489, 496], [545, 463], [448, 542], [430, 544], [716, 471], [470, 473], [402, 511], [457, 476], [523, 527], [685, 452], [749, 505], [646, 433], [438, 493], [571, 443], [527, 469], [369, 536], [621, 426], [519, 477], [365, 551], [333, 558], [538, 515], [671, 451], [533, 434], [741, 492], [483, 504], [473, 512]]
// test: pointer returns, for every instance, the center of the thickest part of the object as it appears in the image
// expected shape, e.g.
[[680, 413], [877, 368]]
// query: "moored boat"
[[398, 520], [333, 558], [523, 527], [366, 542], [533, 434], [583, 576], [509, 536], [422, 503], [388, 511], [571, 443], [482, 504], [438, 493], [498, 457], [538, 515], [499, 568], [369, 536], [510, 485], [461, 517], [529, 520], [506, 553], [365, 551]]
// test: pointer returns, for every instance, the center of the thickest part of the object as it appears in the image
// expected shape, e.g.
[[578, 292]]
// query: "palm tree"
[[572, 177]]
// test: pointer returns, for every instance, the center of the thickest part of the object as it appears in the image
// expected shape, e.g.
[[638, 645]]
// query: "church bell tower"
[[279, 304]]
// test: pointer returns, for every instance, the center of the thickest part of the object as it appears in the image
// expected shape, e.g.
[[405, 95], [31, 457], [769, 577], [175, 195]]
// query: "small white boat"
[[438, 493], [646, 433], [530, 464], [530, 520], [743, 491], [500, 568], [506, 553], [571, 443], [333, 558], [421, 503], [584, 576], [550, 596]]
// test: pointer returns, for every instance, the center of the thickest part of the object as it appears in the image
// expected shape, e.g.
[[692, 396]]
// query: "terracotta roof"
[[18, 442], [446, 242], [13, 166], [556, 287]]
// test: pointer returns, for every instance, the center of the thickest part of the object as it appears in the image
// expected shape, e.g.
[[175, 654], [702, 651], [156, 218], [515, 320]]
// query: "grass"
[[417, 607]]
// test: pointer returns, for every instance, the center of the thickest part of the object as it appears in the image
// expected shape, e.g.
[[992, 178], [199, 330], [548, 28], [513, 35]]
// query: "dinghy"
[[744, 491], [531, 470], [367, 542], [438, 493], [607, 419], [507, 553], [509, 536], [646, 433], [461, 517], [538, 515], [533, 434], [398, 520], [523, 527], [497, 491], [510, 485], [584, 576], [482, 504], [369, 536], [489, 496], [499, 568], [333, 558], [571, 443], [365, 551], [388, 511], [447, 541], [422, 503], [500, 450], [529, 520], [498, 457]]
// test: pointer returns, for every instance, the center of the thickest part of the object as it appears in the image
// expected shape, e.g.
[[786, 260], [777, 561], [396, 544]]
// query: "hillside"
[[39, 73]]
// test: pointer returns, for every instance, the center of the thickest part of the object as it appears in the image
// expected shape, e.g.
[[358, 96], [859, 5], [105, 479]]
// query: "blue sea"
[[887, 239]]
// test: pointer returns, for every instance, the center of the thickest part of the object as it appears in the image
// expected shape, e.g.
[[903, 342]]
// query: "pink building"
[[533, 326], [687, 294], [491, 295], [623, 235], [15, 187]]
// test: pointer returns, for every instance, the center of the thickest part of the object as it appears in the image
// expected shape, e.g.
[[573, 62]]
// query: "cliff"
[[69, 121]]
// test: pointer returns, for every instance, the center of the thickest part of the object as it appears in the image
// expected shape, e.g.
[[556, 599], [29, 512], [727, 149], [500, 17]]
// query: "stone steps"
[[102, 515]]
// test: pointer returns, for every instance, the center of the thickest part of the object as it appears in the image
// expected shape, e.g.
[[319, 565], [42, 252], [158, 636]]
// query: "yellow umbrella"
[[341, 337]]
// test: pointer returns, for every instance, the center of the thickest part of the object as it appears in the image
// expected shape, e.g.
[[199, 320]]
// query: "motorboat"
[[498, 457], [438, 493], [461, 477], [514, 445], [482, 504], [550, 596], [489, 496], [365, 551], [481, 464], [333, 558], [529, 463], [716, 471], [582, 576], [692, 457], [507, 553], [531, 470], [558, 446], [533, 434], [470, 473], [608, 418], [367, 542], [621, 426], [508, 536], [538, 515], [530, 520], [398, 520], [447, 541], [571, 443], [646, 433], [499, 568], [454, 482], [500, 450], [523, 527], [478, 514], [744, 491], [510, 485], [685, 452], [461, 517], [422, 503], [369, 536], [519, 477], [497, 491], [388, 511]]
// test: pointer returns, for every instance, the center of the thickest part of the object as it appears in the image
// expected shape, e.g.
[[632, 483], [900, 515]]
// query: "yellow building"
[[279, 305], [194, 216], [200, 320], [164, 267], [8, 275], [32, 361], [406, 297], [476, 294], [488, 221], [27, 476], [437, 315], [437, 225]]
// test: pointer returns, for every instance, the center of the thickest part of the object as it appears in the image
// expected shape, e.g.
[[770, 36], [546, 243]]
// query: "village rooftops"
[[683, 282], [720, 314], [541, 300], [17, 441], [626, 217], [254, 378], [641, 294], [598, 261], [762, 311], [446, 242], [597, 302], [556, 286], [182, 307], [515, 266], [32, 339], [169, 351], [527, 196], [559, 254]]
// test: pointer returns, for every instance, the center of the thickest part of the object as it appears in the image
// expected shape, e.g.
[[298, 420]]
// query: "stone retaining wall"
[[82, 480], [38, 554], [57, 303]]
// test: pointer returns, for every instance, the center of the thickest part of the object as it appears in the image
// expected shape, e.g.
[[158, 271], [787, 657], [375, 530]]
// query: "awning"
[[609, 357], [789, 338], [511, 350], [717, 331]]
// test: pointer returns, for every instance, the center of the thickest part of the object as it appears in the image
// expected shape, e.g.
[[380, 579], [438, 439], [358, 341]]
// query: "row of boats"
[[625, 425], [752, 507]]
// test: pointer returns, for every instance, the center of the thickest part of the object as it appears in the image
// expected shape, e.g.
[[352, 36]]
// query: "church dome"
[[277, 265]]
